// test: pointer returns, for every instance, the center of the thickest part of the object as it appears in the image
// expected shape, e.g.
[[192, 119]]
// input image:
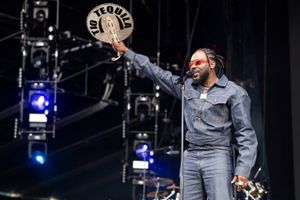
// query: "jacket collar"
[[222, 82]]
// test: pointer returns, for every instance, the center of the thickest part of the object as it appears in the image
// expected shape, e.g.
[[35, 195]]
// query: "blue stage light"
[[39, 101], [142, 150], [151, 160], [38, 62], [39, 157], [37, 151]]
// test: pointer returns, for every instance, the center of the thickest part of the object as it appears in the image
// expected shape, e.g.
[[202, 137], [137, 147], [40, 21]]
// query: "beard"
[[200, 79]]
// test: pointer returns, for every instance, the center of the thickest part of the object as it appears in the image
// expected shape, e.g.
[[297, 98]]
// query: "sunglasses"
[[197, 62]]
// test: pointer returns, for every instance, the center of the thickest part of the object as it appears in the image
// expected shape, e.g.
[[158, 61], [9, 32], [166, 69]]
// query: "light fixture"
[[151, 160], [142, 149], [144, 156], [142, 107], [39, 100], [140, 164], [40, 10], [37, 151], [51, 33], [40, 56], [39, 105], [142, 146]]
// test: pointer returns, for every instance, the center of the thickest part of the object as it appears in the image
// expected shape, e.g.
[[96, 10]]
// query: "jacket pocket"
[[191, 103], [191, 94], [215, 111]]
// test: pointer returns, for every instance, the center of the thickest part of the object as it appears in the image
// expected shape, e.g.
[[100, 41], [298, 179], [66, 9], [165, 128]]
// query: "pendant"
[[203, 96]]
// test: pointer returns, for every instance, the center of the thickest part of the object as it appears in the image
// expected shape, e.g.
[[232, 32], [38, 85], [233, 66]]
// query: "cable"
[[191, 38], [89, 68]]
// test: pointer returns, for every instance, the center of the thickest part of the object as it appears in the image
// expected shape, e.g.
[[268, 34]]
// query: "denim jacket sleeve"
[[163, 78], [244, 133]]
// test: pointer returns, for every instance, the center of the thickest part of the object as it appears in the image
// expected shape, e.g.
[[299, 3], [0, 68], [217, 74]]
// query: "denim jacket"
[[214, 120]]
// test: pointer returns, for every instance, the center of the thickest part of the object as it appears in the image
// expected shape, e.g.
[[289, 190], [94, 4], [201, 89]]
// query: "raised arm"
[[165, 79]]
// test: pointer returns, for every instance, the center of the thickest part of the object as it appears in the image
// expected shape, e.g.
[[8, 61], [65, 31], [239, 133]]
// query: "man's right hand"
[[119, 47], [240, 181]]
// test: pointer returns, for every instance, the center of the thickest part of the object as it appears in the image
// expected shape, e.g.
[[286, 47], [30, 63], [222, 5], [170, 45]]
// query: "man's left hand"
[[240, 181]]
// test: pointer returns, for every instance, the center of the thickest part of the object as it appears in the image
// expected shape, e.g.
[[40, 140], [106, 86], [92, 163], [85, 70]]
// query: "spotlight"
[[40, 3], [142, 146], [51, 29], [39, 101], [51, 33], [39, 61], [151, 160], [142, 136], [40, 10], [39, 105], [142, 107], [39, 157], [40, 15], [37, 151], [39, 56], [142, 149]]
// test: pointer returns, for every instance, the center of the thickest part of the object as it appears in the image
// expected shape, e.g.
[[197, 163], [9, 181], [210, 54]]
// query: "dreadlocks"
[[211, 54]]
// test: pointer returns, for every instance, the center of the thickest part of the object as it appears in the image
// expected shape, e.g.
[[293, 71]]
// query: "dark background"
[[259, 40]]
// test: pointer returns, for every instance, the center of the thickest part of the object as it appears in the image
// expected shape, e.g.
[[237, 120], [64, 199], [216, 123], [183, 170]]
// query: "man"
[[217, 112]]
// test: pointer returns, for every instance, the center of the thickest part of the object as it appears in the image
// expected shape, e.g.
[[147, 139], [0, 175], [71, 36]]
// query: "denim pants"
[[207, 173]]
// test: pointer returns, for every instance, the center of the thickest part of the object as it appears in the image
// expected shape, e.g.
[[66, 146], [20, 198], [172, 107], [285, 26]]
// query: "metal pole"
[[156, 105], [189, 43], [182, 143], [23, 27], [158, 32], [126, 114], [57, 14], [56, 71]]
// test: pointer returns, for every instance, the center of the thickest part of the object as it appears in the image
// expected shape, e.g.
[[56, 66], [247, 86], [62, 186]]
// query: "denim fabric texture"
[[207, 173], [215, 121]]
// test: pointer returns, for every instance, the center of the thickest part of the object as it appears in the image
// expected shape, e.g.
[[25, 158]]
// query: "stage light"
[[140, 164], [151, 160], [40, 3], [39, 157], [51, 33], [51, 29], [142, 145], [151, 153], [157, 94], [142, 107], [37, 151], [39, 61], [50, 37], [39, 101], [37, 118], [39, 97], [40, 10], [142, 136], [40, 105], [39, 57], [40, 15], [142, 149]]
